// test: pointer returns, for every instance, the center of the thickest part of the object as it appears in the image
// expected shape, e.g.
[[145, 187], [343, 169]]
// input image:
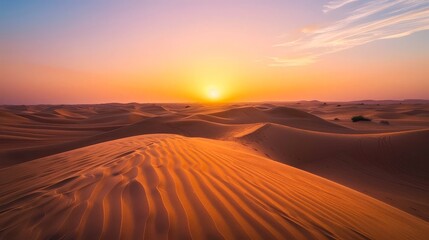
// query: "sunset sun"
[[213, 94]]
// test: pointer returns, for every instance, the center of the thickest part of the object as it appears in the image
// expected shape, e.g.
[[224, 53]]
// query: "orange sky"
[[178, 52]]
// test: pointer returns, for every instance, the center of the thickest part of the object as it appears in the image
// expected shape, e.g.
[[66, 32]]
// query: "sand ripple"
[[174, 187]]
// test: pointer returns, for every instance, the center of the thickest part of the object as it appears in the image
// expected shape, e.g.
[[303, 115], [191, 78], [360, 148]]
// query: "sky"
[[76, 51]]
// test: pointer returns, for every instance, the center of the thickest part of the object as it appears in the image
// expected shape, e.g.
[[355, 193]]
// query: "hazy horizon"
[[224, 102]]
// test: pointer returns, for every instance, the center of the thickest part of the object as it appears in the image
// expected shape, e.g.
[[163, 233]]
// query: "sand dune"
[[399, 152], [169, 186], [193, 128], [391, 166], [69, 114], [393, 111], [89, 171], [281, 115], [130, 120]]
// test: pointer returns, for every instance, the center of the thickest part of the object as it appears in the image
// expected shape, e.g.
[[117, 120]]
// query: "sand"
[[178, 171]]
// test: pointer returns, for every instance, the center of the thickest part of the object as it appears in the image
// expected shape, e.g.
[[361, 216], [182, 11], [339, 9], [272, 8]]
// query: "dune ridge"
[[169, 186]]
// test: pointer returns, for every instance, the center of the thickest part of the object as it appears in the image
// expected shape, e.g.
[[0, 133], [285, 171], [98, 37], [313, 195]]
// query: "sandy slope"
[[169, 186], [392, 167], [400, 152]]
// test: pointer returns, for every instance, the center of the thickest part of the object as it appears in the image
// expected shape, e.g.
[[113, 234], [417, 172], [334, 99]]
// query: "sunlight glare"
[[213, 94]]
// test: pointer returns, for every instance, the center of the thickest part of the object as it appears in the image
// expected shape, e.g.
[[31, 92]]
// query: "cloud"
[[332, 5], [367, 22]]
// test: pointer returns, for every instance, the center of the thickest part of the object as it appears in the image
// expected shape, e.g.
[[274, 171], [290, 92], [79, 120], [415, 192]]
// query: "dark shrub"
[[384, 122], [360, 118], [336, 119]]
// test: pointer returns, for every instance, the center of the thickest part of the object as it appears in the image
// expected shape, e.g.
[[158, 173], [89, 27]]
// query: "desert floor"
[[290, 170]]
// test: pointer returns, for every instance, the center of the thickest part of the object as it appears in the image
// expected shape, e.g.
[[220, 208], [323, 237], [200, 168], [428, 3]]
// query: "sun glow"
[[213, 94]]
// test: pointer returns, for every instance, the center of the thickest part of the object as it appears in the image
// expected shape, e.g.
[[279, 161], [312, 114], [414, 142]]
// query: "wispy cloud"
[[367, 22], [335, 4]]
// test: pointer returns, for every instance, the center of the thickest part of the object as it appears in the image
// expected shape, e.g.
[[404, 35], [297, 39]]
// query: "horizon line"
[[223, 102]]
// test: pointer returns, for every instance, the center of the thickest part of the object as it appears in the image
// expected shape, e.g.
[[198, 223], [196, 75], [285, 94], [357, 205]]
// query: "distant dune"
[[281, 115], [298, 170]]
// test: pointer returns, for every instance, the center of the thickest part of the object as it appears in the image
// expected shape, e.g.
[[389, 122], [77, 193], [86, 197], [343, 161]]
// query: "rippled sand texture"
[[299, 170], [169, 186]]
